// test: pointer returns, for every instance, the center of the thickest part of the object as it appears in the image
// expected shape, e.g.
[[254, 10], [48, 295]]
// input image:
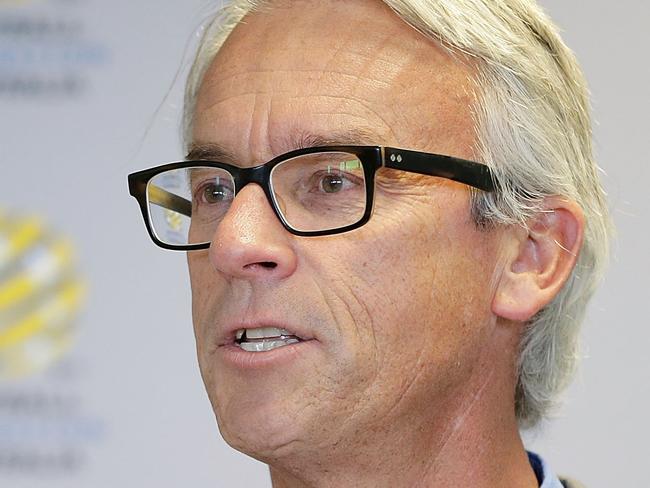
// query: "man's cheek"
[[354, 306]]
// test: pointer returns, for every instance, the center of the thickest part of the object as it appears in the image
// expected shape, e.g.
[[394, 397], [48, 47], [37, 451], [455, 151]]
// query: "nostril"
[[263, 264]]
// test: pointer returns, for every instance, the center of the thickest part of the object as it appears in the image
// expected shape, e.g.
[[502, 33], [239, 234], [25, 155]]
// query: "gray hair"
[[533, 127]]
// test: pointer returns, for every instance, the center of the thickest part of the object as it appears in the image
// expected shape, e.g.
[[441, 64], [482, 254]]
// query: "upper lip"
[[228, 336]]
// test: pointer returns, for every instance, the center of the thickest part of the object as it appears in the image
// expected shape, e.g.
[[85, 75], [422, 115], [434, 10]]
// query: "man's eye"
[[212, 193], [330, 183]]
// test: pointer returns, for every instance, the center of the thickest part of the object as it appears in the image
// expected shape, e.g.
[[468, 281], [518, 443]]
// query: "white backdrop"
[[126, 406]]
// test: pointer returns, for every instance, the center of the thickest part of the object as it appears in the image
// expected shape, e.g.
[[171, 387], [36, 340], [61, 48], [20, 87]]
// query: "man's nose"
[[250, 242]]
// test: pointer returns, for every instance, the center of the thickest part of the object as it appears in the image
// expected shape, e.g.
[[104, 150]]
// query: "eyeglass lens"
[[312, 192]]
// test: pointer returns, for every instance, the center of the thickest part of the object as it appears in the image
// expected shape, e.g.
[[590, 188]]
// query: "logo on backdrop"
[[40, 296], [46, 50], [45, 429]]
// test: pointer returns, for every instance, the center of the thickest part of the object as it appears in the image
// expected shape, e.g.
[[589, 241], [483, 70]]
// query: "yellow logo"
[[40, 296], [174, 220]]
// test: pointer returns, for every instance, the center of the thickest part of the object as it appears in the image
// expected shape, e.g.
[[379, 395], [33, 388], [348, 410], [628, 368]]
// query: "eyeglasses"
[[315, 191]]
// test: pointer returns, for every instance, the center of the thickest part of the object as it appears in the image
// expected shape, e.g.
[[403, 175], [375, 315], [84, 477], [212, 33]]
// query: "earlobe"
[[538, 260]]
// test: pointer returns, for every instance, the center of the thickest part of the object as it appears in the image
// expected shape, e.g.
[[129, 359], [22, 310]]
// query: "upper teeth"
[[264, 339], [262, 333]]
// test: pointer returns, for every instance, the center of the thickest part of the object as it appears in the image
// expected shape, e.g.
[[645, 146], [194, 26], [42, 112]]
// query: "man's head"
[[449, 303]]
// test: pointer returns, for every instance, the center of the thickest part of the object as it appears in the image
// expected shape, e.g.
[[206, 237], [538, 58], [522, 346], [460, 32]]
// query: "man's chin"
[[267, 439], [268, 412], [257, 415]]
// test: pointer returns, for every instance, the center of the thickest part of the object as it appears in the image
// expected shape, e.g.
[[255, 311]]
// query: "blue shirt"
[[545, 476]]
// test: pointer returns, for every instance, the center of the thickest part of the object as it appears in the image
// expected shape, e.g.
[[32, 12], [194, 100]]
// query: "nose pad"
[[250, 242]]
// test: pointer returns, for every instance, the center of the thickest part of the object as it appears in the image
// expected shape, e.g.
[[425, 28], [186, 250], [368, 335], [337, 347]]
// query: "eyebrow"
[[210, 151], [356, 136]]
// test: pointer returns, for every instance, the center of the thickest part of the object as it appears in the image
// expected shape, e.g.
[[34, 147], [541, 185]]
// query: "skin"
[[415, 318]]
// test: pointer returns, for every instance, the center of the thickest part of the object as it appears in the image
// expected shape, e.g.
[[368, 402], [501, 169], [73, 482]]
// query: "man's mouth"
[[263, 339]]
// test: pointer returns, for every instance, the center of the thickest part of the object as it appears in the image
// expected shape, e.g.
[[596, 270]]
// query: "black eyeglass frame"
[[372, 158]]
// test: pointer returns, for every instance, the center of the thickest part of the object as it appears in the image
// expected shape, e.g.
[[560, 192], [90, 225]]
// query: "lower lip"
[[284, 355]]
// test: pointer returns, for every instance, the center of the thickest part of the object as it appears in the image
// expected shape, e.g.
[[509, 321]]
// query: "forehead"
[[302, 70]]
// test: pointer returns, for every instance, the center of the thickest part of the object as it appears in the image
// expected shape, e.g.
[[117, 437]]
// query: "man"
[[369, 311]]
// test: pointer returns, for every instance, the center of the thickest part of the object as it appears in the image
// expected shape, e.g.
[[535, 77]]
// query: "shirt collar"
[[545, 476]]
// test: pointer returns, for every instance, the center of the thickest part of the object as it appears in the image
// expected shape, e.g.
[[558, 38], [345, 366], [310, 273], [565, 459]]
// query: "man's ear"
[[538, 260]]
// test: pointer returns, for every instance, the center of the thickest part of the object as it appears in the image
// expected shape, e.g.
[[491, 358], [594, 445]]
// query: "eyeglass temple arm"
[[168, 200], [461, 170]]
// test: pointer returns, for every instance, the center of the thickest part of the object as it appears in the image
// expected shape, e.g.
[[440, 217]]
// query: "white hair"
[[533, 129]]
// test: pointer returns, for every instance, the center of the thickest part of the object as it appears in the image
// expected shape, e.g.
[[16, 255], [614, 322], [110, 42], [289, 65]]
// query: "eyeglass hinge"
[[394, 157]]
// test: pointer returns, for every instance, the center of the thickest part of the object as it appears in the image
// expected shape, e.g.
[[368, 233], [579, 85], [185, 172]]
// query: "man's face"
[[397, 313]]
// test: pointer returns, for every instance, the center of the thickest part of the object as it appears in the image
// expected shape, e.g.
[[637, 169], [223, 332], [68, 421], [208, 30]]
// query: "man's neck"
[[470, 440], [494, 458]]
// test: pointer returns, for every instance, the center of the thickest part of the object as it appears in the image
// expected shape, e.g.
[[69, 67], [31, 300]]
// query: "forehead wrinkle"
[[375, 71], [237, 83], [368, 109], [353, 120], [301, 133], [378, 60], [257, 76], [366, 69], [384, 69], [258, 128], [230, 75], [278, 124], [367, 123], [367, 41], [360, 102]]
